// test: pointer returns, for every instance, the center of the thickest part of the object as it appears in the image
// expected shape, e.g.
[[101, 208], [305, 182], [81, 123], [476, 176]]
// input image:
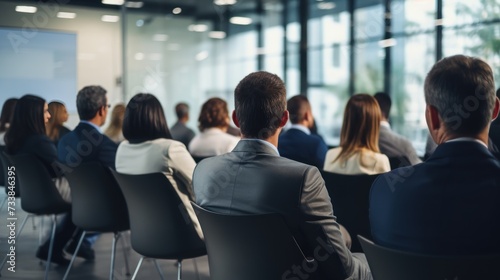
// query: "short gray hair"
[[89, 101]]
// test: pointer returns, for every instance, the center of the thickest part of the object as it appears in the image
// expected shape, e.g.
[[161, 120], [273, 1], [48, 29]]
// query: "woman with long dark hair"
[[27, 135], [6, 117], [149, 148]]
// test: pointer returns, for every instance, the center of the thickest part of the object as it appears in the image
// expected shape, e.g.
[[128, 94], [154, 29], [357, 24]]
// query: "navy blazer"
[[297, 145], [449, 204], [85, 144]]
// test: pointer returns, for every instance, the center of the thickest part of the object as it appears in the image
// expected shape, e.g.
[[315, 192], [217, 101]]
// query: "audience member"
[[114, 130], [253, 178], [358, 152], [298, 143], [494, 133], [27, 135], [447, 205], [390, 143], [179, 130], [149, 148], [86, 143], [59, 115], [213, 123], [6, 117]]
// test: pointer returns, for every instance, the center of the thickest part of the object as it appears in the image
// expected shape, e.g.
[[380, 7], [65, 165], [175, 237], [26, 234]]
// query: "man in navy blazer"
[[86, 143], [448, 204], [297, 142]]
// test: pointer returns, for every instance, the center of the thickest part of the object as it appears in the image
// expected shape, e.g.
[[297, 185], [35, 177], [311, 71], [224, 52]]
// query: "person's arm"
[[382, 164], [181, 161], [107, 153], [323, 233], [321, 153]]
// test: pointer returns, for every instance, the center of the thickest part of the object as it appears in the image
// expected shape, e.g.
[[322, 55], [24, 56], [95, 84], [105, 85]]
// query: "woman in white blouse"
[[358, 152], [149, 148], [213, 123]]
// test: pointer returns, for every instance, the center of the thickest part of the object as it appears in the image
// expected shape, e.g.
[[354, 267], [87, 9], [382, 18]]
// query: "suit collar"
[[255, 146], [87, 123], [460, 149]]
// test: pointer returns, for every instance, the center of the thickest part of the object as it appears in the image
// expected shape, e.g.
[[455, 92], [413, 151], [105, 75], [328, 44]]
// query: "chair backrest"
[[390, 264], [350, 200], [198, 159], [160, 226], [40, 195], [3, 171], [6, 163], [249, 247], [96, 199], [397, 162]]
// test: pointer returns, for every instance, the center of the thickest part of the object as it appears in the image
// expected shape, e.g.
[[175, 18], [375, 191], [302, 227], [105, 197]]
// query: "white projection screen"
[[38, 62]]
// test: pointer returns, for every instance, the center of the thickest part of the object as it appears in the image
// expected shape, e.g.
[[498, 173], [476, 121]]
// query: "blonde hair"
[[360, 127], [58, 115], [114, 129]]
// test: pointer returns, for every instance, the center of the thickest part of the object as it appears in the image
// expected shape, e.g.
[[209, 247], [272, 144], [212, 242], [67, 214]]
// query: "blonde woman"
[[55, 128], [358, 152], [114, 130]]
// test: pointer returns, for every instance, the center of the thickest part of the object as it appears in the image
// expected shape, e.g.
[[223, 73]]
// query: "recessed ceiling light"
[[240, 20], [326, 5], [139, 56], [224, 2], [201, 55], [113, 2], [160, 37], [198, 27], [110, 18], [177, 11], [134, 5], [217, 34], [66, 15], [26, 9]]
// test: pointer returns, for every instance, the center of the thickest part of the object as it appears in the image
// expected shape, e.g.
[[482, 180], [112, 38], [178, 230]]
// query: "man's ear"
[[495, 109], [235, 119], [432, 117], [284, 118]]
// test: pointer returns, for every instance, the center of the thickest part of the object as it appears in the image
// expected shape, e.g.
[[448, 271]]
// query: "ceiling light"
[[160, 37], [198, 27], [26, 9], [224, 2], [439, 22], [176, 11], [66, 15], [110, 18], [202, 55], [240, 20], [217, 34], [391, 42], [139, 56], [326, 5], [134, 5], [173, 47], [113, 2]]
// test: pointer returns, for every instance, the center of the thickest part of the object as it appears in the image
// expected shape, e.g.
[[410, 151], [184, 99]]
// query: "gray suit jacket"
[[394, 145], [254, 179]]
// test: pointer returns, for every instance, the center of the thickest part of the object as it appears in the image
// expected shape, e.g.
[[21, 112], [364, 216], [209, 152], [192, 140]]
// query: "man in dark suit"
[[253, 178], [86, 143], [179, 130], [449, 203], [297, 142]]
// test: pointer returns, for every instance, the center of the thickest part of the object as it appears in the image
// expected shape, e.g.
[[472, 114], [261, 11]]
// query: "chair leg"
[[40, 232], [162, 276], [17, 239], [74, 255], [51, 246], [125, 256], [113, 251], [196, 269], [33, 224], [179, 269], [137, 268]]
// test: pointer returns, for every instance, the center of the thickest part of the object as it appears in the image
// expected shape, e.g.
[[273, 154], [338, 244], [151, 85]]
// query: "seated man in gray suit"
[[179, 130], [253, 178], [390, 143]]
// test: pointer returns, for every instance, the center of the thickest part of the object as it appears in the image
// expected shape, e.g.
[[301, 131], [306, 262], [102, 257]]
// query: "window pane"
[[368, 71], [369, 21], [458, 12], [409, 16]]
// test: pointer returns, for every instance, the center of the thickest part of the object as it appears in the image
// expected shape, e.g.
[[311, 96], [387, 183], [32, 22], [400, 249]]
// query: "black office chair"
[[390, 264], [350, 200], [98, 205], [400, 161], [3, 177], [249, 247], [160, 226], [40, 195], [198, 159]]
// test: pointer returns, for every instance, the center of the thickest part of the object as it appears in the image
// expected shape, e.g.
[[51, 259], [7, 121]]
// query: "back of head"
[[7, 113], [260, 102], [214, 113], [297, 106], [116, 123], [56, 110], [181, 110], [462, 89], [144, 119], [89, 101], [361, 124], [385, 103], [28, 120]]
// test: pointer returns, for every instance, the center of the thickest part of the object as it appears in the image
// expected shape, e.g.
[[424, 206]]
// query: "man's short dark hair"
[[297, 106], [89, 101], [384, 102], [181, 110], [260, 101], [462, 89]]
